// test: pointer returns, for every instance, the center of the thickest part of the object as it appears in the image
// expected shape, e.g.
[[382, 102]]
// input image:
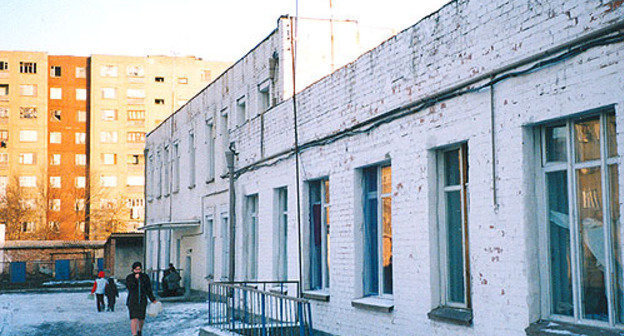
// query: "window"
[[4, 158], [27, 158], [55, 204], [4, 112], [158, 101], [240, 111], [137, 207], [182, 80], [165, 171], [28, 136], [264, 99], [210, 144], [28, 90], [55, 160], [135, 137], [108, 204], [452, 218], [80, 182], [377, 183], [108, 181], [81, 116], [280, 235], [580, 219], [4, 65], [136, 180], [56, 93], [79, 205], [55, 71], [55, 115], [55, 137], [28, 181], [108, 137], [109, 93], [4, 90], [54, 226], [109, 158], [81, 138], [135, 71], [81, 72], [109, 115], [225, 244], [206, 75], [108, 71], [55, 181], [4, 135], [191, 160], [225, 137], [135, 93], [80, 226], [319, 234], [28, 67], [159, 79], [28, 227], [4, 180], [175, 157], [210, 246], [250, 237], [28, 113], [81, 159], [134, 115], [134, 159], [81, 94]]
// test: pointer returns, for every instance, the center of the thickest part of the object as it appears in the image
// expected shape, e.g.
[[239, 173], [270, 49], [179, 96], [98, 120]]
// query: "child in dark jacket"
[[111, 294]]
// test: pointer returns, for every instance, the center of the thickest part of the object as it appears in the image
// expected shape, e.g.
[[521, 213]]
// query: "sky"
[[221, 30]]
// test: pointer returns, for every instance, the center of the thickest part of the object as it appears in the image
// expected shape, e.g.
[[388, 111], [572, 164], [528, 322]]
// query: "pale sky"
[[214, 30]]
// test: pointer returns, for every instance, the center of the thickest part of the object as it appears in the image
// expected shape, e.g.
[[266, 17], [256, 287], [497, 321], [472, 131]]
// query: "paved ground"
[[73, 314]]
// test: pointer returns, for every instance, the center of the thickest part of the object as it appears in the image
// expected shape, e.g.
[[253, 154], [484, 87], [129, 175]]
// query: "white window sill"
[[318, 295], [374, 303]]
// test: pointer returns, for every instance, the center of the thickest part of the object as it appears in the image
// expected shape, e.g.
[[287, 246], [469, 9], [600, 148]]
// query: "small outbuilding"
[[120, 251]]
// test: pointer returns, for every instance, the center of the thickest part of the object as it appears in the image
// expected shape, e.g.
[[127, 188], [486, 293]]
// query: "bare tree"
[[105, 210], [23, 211]]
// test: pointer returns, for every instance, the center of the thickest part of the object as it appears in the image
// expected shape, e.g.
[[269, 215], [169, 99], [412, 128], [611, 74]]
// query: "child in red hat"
[[98, 289]]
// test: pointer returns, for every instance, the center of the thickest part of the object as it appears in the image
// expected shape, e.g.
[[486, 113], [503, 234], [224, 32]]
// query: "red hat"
[[101, 274]]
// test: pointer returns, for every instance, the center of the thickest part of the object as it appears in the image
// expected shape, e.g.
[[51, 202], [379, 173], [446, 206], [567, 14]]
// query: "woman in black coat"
[[139, 290]]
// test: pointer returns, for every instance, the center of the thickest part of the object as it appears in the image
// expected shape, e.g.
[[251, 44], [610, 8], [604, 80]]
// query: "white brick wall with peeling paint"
[[462, 41]]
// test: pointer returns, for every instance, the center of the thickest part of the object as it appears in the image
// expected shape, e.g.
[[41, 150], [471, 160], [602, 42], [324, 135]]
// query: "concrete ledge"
[[551, 328], [316, 295], [457, 316], [374, 303]]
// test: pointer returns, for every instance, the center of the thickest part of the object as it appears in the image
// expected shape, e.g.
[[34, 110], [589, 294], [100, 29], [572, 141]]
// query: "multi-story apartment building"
[[72, 132], [68, 105], [129, 97], [23, 139], [462, 178]]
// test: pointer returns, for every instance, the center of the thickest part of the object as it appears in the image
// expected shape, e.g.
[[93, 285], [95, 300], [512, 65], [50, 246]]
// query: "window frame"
[[325, 202], [250, 237], [280, 234], [379, 195], [441, 214], [570, 167]]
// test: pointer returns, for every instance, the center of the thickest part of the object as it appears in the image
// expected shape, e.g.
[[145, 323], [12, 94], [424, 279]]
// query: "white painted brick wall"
[[461, 41]]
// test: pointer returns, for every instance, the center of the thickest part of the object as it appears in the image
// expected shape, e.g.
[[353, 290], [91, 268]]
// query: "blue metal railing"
[[242, 308]]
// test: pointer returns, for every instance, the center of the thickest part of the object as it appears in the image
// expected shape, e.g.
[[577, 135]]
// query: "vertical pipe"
[[493, 147], [230, 163], [264, 331]]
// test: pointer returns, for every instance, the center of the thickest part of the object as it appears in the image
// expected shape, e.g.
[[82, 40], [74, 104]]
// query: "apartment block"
[[67, 166], [73, 133], [462, 178], [23, 139]]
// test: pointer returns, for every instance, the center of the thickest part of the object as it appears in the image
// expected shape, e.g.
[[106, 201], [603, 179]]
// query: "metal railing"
[[241, 308]]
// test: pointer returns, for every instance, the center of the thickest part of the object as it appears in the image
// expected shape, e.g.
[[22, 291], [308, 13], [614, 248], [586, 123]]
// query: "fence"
[[246, 310], [17, 274]]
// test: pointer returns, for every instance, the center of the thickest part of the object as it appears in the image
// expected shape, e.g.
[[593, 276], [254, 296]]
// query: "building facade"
[[460, 179], [72, 133]]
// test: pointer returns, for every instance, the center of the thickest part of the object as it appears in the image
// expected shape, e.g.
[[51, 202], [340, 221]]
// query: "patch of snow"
[[562, 332]]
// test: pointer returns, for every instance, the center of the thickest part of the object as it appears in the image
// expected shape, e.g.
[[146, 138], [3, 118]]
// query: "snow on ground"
[[71, 313]]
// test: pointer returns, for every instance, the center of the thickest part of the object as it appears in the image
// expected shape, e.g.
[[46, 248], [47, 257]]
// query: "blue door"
[[100, 264], [18, 272], [61, 268]]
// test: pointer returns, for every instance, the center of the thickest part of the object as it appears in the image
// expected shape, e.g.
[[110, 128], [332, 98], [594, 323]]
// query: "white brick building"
[[466, 166]]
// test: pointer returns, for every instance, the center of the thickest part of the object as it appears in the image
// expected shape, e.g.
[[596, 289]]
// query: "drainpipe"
[[229, 157]]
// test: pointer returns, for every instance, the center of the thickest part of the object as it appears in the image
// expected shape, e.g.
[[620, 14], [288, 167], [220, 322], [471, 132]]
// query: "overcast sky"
[[214, 30]]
